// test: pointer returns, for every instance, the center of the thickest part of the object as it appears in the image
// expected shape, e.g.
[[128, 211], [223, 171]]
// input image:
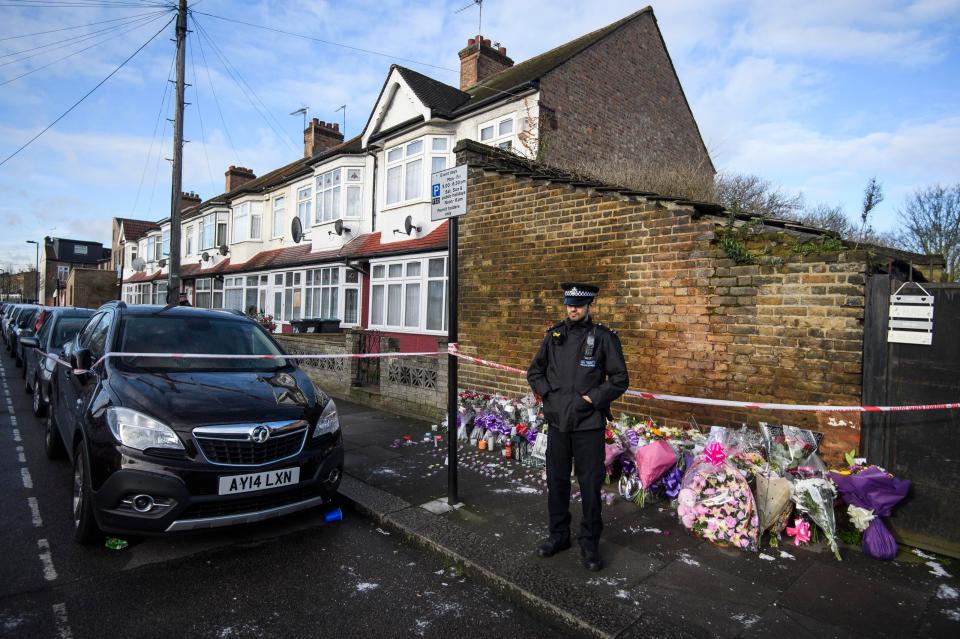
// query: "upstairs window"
[[158, 247], [150, 249], [304, 204], [246, 221], [279, 215], [405, 172], [328, 196], [165, 242], [188, 242], [208, 226], [498, 133]]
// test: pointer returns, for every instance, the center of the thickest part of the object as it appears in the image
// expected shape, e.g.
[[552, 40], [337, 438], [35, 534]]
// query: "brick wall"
[[89, 287], [620, 101], [690, 320]]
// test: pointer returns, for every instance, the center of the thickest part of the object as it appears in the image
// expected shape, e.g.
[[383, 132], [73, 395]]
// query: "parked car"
[[32, 327], [24, 323], [59, 327], [164, 443], [9, 318]]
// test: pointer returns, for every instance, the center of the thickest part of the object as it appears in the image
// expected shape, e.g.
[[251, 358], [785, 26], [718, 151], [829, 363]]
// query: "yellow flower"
[[656, 432]]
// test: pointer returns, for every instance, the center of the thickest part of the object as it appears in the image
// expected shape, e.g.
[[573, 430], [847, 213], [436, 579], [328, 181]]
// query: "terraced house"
[[370, 256]]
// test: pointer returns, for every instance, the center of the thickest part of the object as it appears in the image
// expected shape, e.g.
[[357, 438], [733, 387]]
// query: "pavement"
[[659, 581]]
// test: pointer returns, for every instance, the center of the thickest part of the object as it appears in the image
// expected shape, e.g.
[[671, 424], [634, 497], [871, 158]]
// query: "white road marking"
[[35, 511], [21, 457], [49, 572], [16, 435], [63, 624], [27, 479]]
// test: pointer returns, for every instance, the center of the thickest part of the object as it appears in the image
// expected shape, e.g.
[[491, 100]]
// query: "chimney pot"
[[336, 127], [471, 42], [315, 121], [320, 136], [477, 63], [486, 42], [502, 51]]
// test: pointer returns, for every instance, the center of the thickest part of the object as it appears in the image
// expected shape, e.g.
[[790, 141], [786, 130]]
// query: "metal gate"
[[922, 446], [368, 369]]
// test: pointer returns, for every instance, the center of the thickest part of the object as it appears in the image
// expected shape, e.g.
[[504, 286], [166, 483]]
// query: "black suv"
[[162, 443]]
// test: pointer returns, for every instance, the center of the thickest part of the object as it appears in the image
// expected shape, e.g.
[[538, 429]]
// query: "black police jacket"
[[567, 367]]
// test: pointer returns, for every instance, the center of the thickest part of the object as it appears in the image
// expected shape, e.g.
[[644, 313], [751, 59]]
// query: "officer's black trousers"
[[586, 449]]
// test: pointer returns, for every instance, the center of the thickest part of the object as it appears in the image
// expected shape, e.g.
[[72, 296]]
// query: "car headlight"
[[136, 430], [329, 421]]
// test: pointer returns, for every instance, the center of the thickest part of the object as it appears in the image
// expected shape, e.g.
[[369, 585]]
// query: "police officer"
[[578, 371]]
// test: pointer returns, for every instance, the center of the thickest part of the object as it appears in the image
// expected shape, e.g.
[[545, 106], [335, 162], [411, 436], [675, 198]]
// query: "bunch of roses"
[[717, 505]]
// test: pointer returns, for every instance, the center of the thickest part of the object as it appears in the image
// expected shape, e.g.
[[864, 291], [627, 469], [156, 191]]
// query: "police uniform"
[[576, 359]]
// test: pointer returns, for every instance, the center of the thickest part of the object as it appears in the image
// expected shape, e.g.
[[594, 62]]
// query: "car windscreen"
[[65, 329], [192, 334]]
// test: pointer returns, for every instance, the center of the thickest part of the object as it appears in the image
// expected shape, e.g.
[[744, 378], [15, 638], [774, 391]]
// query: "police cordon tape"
[[453, 349]]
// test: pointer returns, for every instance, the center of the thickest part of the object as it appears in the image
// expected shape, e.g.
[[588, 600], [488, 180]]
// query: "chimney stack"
[[188, 199], [479, 60], [237, 175], [320, 136]]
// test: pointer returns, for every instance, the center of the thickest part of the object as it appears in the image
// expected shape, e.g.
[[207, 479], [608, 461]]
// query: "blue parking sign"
[[436, 190]]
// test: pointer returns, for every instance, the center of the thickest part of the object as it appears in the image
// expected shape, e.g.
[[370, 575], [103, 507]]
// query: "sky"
[[816, 97]]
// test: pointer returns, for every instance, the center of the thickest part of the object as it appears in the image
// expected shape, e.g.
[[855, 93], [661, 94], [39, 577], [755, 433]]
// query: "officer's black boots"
[[552, 546], [591, 559]]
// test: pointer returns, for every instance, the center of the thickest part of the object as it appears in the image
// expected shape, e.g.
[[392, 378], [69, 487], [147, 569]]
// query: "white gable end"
[[397, 104]]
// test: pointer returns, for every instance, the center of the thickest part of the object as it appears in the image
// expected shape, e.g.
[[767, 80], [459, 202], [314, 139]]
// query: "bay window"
[[439, 153], [165, 243], [150, 249], [409, 294], [322, 292], [209, 293], [405, 172], [233, 293], [158, 247], [328, 196], [207, 231], [279, 215]]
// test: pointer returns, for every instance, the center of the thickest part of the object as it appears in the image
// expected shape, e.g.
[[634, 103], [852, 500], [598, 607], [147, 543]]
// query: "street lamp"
[[38, 268]]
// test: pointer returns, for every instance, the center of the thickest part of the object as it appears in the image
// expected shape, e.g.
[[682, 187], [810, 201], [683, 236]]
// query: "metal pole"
[[452, 338], [123, 256], [173, 260], [38, 272]]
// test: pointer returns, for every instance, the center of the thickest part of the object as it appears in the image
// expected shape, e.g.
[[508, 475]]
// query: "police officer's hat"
[[576, 294]]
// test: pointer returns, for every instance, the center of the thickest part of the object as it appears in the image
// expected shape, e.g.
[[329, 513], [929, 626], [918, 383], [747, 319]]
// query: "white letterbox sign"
[[911, 317]]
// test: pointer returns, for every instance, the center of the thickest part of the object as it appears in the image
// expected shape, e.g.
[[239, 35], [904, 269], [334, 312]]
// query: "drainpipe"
[[373, 212]]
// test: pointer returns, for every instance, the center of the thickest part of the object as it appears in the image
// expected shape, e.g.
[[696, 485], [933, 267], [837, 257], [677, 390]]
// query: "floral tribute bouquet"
[[814, 497], [871, 493], [716, 503], [790, 450], [774, 503]]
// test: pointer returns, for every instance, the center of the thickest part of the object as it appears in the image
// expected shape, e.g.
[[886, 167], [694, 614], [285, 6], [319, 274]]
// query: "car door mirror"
[[81, 359]]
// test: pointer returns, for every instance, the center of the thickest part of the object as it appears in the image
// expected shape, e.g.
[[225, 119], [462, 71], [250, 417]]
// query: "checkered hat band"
[[575, 292]]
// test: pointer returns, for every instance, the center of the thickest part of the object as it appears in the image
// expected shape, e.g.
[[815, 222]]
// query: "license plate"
[[233, 484]]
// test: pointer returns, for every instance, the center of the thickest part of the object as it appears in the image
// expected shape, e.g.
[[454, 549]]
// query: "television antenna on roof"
[[302, 111], [479, 5]]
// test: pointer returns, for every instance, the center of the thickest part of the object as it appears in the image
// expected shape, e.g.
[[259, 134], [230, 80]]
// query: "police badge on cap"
[[575, 294]]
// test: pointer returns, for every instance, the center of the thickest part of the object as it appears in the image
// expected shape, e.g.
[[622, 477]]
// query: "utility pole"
[[173, 260]]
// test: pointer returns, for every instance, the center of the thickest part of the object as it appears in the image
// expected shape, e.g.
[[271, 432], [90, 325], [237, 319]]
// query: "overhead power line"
[[329, 42], [153, 137], [79, 26], [87, 94], [216, 100], [86, 48]]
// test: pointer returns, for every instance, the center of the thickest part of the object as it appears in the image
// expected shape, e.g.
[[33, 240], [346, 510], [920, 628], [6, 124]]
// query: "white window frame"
[[380, 278], [188, 240], [314, 289], [165, 243], [151, 249], [329, 193], [247, 222], [279, 215], [209, 286], [499, 139], [347, 285], [207, 222], [304, 204], [403, 161]]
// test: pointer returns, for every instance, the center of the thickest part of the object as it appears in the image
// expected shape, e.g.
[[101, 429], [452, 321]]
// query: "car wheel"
[[52, 442], [85, 529], [39, 406]]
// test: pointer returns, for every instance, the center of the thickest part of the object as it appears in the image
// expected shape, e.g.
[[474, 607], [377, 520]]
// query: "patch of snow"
[[687, 559], [920, 553], [946, 592], [785, 555], [656, 531], [382, 531], [937, 570], [953, 615], [365, 586], [765, 557], [745, 619], [622, 594], [519, 490], [606, 581]]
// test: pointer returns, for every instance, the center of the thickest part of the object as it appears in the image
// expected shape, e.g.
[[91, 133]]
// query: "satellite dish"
[[162, 263], [224, 249], [139, 264], [339, 228], [408, 225], [296, 230], [205, 257]]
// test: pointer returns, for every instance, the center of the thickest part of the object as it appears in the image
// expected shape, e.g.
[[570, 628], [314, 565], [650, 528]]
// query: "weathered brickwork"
[[690, 320], [620, 101]]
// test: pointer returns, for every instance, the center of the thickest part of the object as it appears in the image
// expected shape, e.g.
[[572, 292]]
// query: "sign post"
[[448, 201]]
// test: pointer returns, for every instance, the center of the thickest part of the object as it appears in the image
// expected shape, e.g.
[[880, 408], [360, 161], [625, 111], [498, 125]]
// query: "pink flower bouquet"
[[716, 504]]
